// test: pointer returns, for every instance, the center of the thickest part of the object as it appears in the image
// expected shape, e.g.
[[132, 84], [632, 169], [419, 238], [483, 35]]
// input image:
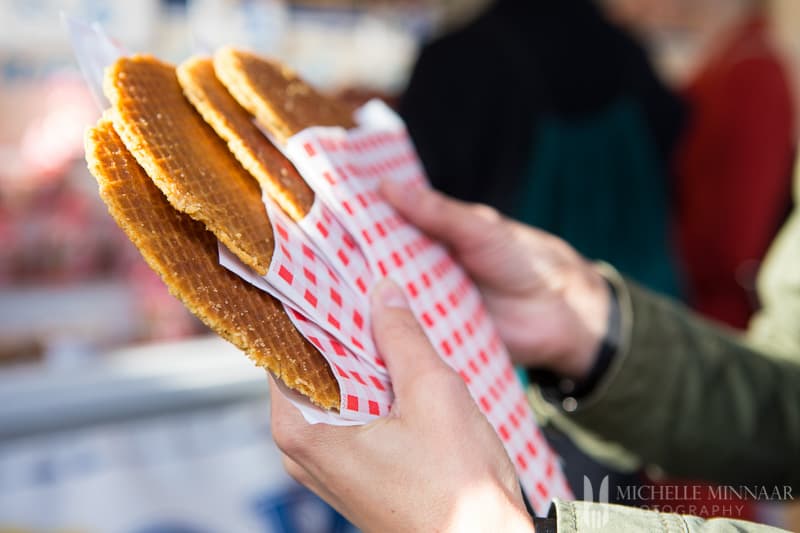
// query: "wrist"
[[589, 298], [604, 353], [565, 390], [513, 518], [491, 509]]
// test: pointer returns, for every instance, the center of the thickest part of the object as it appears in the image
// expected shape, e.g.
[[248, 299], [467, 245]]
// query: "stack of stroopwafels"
[[179, 163]]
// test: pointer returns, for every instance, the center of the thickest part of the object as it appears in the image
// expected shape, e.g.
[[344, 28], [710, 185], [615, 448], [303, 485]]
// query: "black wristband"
[[608, 348], [545, 525]]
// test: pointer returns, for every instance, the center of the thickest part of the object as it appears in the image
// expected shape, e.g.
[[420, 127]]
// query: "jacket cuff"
[[590, 517], [585, 517]]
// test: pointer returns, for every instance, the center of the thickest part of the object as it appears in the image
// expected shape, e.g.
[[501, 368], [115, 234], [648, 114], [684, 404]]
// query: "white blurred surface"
[[166, 438], [126, 383]]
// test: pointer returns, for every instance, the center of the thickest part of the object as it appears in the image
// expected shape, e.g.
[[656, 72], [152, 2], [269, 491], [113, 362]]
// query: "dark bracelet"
[[608, 348], [545, 525]]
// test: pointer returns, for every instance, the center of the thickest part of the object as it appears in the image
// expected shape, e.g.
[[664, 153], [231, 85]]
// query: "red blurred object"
[[56, 232], [734, 172], [55, 137]]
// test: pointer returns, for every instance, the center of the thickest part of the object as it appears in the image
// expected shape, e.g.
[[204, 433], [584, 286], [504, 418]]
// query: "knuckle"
[[295, 471], [451, 384], [442, 382], [490, 226], [433, 201], [288, 439], [401, 325], [486, 213], [438, 397]]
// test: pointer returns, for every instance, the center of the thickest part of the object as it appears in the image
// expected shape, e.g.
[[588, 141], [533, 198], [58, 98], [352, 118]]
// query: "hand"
[[550, 306], [433, 464]]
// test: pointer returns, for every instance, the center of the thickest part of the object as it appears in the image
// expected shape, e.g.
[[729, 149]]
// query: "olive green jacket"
[[694, 398]]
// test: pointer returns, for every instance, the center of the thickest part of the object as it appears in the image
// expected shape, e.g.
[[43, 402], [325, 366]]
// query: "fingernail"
[[388, 294]]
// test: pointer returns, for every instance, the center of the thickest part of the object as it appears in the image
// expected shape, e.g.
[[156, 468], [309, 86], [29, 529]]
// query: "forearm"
[[696, 400]]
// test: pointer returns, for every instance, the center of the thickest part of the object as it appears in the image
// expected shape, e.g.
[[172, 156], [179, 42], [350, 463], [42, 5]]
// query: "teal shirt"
[[599, 183]]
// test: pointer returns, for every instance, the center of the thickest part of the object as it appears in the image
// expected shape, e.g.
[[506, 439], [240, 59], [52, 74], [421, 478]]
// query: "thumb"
[[400, 339], [461, 226]]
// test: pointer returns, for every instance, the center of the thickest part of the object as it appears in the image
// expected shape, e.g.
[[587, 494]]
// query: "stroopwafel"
[[273, 93], [186, 159], [276, 175], [185, 255]]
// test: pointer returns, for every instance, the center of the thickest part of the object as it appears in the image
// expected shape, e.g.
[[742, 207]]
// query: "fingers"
[[460, 225], [309, 451], [400, 339], [288, 425], [297, 472], [296, 437]]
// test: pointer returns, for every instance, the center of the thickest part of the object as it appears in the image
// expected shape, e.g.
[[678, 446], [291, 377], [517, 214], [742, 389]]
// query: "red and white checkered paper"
[[300, 274], [345, 168], [338, 247]]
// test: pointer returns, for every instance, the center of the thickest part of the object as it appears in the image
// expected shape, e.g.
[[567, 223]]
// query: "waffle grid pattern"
[[185, 255], [186, 159], [274, 94], [235, 125]]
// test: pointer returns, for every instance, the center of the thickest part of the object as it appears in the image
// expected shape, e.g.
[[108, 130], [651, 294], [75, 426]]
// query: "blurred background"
[[657, 135]]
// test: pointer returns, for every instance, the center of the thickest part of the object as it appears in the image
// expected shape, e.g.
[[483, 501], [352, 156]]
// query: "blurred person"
[[734, 165], [549, 113], [673, 389], [734, 160]]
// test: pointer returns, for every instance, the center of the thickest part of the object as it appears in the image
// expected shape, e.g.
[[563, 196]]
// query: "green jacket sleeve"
[[583, 517], [698, 400], [695, 399]]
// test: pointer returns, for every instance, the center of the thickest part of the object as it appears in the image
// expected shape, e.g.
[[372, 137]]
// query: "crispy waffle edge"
[[235, 125], [237, 219], [286, 353]]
